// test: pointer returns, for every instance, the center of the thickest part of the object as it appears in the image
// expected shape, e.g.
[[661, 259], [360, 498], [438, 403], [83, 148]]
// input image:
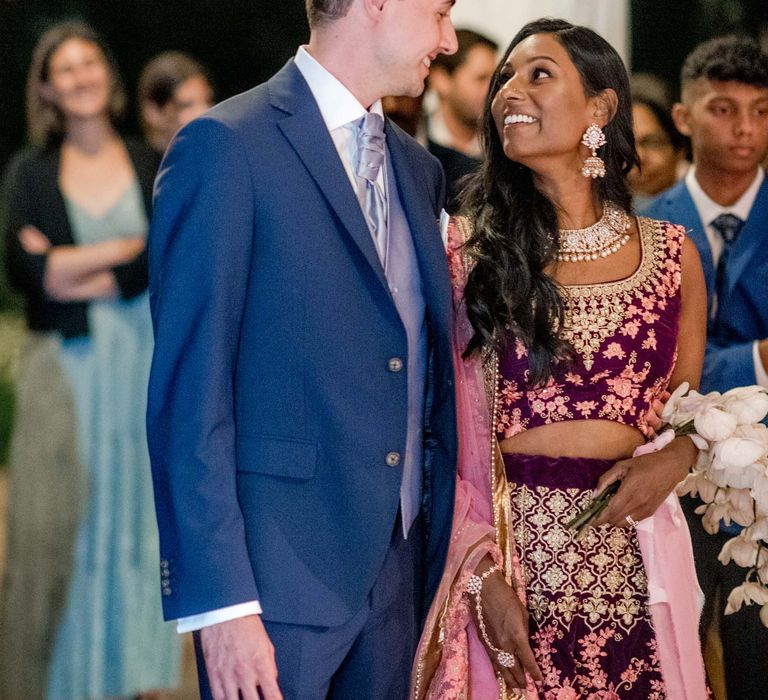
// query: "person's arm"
[[72, 271], [79, 272], [200, 246], [646, 481], [505, 620], [727, 366], [25, 271]]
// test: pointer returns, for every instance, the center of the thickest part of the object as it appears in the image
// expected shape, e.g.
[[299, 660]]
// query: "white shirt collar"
[[338, 106], [709, 209]]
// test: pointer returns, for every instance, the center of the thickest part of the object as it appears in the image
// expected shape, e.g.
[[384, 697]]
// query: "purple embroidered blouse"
[[624, 336]]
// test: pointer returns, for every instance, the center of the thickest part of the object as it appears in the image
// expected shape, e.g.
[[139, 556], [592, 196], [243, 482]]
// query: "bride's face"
[[541, 110]]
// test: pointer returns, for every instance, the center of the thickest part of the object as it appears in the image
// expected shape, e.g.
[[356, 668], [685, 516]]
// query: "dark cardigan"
[[33, 198]]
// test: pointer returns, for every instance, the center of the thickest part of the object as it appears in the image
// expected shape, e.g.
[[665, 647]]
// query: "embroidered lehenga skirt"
[[590, 624]]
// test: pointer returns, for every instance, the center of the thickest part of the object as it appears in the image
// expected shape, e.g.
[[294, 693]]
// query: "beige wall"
[[500, 19]]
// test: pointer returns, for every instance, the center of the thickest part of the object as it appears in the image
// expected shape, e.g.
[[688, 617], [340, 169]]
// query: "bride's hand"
[[506, 624], [646, 482]]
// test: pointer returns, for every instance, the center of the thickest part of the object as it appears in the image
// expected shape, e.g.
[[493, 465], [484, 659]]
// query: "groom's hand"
[[240, 660]]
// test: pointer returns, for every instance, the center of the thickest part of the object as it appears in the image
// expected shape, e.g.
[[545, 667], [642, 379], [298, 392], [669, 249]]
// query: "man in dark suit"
[[301, 418], [723, 203]]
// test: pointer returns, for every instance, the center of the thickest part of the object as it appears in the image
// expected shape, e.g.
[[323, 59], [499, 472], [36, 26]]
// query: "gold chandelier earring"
[[593, 138]]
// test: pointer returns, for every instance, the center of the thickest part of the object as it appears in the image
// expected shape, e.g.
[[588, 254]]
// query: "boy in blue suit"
[[301, 412], [723, 203]]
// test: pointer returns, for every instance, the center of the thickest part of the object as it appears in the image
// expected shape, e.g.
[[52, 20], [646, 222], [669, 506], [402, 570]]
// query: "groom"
[[301, 406]]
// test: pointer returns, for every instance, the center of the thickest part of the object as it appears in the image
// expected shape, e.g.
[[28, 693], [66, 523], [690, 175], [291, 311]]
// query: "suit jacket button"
[[395, 364], [393, 459]]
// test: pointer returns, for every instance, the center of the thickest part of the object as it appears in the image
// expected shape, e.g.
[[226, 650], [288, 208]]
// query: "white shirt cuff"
[[193, 623], [761, 376]]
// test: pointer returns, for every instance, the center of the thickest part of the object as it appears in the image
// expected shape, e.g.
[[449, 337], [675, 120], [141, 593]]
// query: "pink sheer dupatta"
[[451, 662]]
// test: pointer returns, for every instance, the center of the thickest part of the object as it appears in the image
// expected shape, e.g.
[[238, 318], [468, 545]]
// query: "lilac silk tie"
[[371, 150]]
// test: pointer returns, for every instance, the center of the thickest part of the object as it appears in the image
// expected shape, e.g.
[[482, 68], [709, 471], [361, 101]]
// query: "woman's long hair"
[[515, 233], [45, 121]]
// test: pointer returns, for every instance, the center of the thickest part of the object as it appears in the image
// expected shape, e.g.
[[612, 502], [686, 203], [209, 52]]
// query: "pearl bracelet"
[[475, 588]]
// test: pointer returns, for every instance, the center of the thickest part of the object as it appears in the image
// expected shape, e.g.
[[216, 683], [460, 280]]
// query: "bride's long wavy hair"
[[515, 233]]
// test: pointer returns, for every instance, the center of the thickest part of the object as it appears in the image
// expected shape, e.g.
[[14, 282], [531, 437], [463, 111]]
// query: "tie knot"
[[728, 226], [370, 146]]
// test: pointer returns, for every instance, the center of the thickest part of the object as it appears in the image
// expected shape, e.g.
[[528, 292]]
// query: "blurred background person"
[[408, 113], [651, 87], [460, 82], [173, 90], [81, 611], [661, 148], [723, 204]]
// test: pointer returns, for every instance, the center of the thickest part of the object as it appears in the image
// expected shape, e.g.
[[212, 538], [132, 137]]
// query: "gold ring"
[[631, 521]]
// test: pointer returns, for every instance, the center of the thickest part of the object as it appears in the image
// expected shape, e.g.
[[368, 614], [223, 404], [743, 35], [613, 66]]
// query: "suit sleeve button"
[[395, 364], [393, 459]]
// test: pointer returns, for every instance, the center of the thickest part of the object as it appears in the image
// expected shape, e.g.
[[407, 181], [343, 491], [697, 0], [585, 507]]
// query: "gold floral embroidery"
[[606, 563], [595, 312]]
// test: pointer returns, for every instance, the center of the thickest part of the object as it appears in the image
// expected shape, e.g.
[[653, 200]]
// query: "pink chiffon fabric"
[[451, 662], [464, 669], [674, 596]]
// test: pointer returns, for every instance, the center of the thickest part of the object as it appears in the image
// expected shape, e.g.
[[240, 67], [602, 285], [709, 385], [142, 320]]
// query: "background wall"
[[500, 19]]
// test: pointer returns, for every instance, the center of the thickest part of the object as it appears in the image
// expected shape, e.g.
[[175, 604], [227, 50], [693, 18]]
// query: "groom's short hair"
[[321, 12]]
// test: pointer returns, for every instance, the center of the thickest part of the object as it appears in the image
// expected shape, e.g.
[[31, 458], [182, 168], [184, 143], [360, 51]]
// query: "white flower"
[[713, 514], [748, 403], [758, 530], [757, 432], [762, 572], [760, 491], [671, 414], [764, 615], [699, 441], [697, 483], [749, 592], [714, 424], [742, 511], [756, 592], [736, 453], [740, 550]]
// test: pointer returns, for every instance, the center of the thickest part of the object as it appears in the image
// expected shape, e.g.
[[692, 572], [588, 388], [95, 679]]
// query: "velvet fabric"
[[637, 638]]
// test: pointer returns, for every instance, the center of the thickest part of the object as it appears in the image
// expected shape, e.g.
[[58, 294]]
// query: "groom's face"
[[411, 34]]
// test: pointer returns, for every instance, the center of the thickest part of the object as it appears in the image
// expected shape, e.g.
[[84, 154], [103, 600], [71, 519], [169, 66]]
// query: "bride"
[[572, 318]]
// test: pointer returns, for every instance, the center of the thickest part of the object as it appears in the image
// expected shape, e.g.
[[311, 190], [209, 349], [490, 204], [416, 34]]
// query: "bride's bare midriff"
[[599, 439]]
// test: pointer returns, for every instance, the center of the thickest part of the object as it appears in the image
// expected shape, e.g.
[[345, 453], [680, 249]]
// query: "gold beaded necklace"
[[599, 240]]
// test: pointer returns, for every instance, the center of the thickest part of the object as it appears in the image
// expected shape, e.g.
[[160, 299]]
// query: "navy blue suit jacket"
[[271, 405], [743, 310]]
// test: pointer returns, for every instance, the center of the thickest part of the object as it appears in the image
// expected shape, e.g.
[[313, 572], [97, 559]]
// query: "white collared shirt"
[[708, 211], [340, 110]]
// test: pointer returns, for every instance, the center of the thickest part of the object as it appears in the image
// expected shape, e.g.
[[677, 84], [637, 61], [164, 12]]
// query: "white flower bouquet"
[[730, 477]]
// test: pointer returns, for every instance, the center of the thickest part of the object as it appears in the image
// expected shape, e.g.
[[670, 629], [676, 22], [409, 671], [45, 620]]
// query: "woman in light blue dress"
[[81, 265]]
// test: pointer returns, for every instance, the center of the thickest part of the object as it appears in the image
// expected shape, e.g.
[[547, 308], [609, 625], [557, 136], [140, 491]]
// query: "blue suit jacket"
[[271, 405], [743, 310]]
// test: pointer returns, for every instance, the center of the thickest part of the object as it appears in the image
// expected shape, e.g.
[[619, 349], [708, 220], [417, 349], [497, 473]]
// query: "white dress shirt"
[[340, 110], [708, 211]]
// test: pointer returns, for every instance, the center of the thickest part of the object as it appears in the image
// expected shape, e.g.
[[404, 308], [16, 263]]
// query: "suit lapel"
[[682, 210], [304, 128], [419, 210], [753, 237]]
